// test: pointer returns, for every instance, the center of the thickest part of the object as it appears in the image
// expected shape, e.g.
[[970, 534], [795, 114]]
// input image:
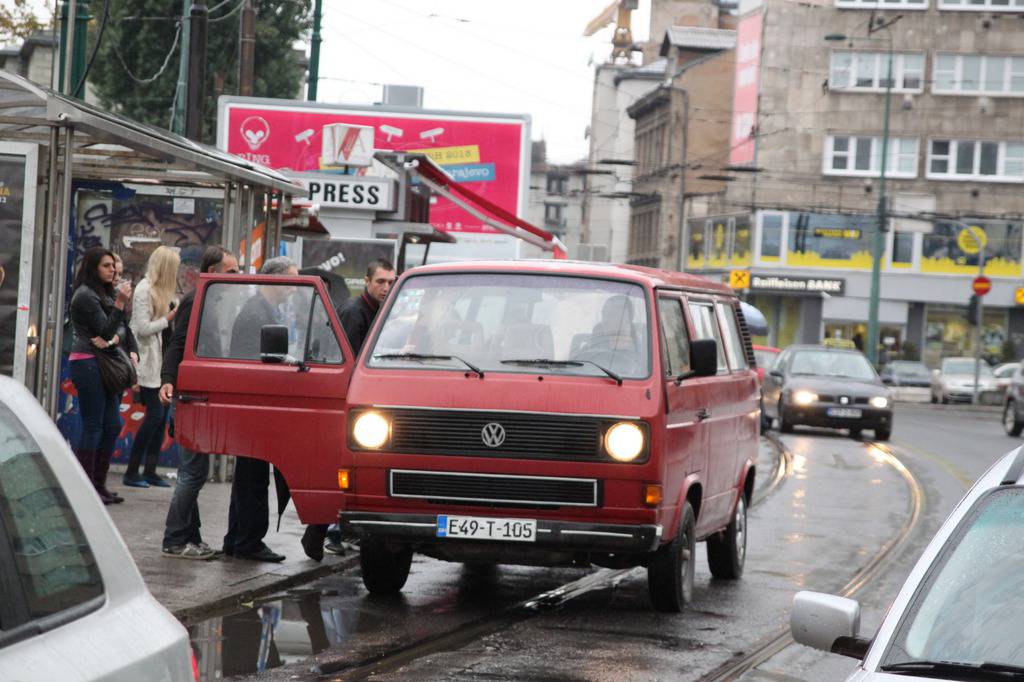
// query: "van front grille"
[[494, 488]]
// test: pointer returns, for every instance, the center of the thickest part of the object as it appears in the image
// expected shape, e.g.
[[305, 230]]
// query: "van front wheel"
[[670, 573], [727, 550], [384, 570]]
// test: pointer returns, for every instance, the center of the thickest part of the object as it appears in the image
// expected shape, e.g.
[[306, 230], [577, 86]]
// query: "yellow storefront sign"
[[1018, 296], [971, 239], [739, 279], [451, 155]]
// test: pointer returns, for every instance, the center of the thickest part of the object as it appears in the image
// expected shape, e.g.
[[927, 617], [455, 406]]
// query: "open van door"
[[265, 374]]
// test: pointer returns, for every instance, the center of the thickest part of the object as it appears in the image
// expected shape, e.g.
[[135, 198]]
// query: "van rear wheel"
[[670, 572], [384, 570], [727, 551]]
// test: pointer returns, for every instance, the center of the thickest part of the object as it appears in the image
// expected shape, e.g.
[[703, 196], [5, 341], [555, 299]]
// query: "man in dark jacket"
[[181, 533]]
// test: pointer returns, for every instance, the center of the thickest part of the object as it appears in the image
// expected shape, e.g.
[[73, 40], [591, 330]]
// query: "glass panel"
[[1017, 73], [903, 247], [995, 73], [234, 315], [913, 71], [677, 342], [863, 157], [940, 251], [771, 236], [965, 158], [489, 318], [1013, 164], [989, 158], [323, 344], [884, 70], [831, 364], [54, 568], [842, 63], [742, 240], [733, 342], [827, 240], [945, 72], [865, 67], [706, 327], [970, 74]]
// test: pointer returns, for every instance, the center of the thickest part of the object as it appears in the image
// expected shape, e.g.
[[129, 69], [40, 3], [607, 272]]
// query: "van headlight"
[[371, 430], [805, 397], [879, 401], [624, 442]]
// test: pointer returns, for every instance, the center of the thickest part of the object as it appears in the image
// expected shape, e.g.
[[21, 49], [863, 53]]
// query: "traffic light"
[[972, 310]]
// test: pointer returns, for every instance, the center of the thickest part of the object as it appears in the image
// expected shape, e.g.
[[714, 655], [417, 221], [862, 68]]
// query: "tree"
[[18, 21], [141, 33]]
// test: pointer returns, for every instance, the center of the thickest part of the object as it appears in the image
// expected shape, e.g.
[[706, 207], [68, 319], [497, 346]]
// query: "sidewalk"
[[191, 589]]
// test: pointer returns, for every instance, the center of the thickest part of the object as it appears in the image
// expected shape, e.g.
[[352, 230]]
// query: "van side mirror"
[[703, 359], [274, 343], [776, 373], [828, 623]]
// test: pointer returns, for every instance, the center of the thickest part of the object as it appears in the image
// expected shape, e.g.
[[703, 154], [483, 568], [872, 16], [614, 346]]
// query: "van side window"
[[44, 555], [673, 331], [733, 340], [234, 315], [705, 326]]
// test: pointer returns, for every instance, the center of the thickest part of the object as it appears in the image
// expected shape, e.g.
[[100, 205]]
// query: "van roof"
[[653, 277]]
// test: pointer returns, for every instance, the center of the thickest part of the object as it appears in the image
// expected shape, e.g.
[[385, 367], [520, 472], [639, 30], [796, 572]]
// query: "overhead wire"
[[163, 67]]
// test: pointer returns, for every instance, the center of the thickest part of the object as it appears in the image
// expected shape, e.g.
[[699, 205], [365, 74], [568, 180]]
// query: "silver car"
[[954, 382], [72, 603], [958, 615]]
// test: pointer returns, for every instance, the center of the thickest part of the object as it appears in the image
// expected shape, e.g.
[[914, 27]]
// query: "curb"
[[191, 615], [993, 409]]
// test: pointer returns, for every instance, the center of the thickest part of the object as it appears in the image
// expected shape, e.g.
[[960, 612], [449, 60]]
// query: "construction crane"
[[620, 12]]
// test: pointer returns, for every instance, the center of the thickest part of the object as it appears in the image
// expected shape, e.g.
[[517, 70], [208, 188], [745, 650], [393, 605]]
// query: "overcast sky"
[[516, 56]]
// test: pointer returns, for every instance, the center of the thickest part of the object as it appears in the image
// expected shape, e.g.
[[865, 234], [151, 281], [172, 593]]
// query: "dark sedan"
[[829, 387]]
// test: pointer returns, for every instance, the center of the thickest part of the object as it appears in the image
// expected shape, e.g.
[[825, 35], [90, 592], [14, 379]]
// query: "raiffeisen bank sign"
[[810, 285]]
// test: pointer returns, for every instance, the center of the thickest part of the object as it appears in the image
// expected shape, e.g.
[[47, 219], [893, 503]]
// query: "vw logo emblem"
[[493, 434], [844, 400]]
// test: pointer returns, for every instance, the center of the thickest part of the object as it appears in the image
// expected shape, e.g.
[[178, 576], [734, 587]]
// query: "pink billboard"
[[742, 139], [489, 153]]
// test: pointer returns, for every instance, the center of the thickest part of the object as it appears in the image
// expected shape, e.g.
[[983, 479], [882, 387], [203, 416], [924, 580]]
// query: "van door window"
[[234, 314], [673, 331], [46, 560], [733, 340], [706, 327]]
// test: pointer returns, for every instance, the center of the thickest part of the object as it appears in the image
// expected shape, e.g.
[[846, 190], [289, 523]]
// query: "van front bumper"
[[558, 535]]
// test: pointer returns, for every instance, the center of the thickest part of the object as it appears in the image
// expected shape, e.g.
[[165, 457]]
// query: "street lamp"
[[878, 241]]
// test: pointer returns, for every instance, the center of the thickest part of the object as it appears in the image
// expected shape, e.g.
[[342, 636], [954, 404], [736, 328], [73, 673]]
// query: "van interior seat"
[[526, 340], [461, 337]]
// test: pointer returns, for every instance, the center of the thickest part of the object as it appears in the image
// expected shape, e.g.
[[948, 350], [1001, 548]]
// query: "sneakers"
[[206, 548], [190, 551], [334, 547], [157, 481], [263, 554], [135, 481]]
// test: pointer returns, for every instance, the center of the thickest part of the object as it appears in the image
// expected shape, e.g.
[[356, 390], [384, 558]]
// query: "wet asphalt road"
[[840, 503]]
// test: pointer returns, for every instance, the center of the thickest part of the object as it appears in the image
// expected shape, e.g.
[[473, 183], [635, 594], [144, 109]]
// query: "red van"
[[539, 413]]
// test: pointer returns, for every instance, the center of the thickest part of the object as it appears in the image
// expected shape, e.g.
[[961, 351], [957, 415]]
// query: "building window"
[[556, 184], [976, 160], [643, 235], [902, 249], [976, 74], [830, 240], [771, 237], [651, 139], [982, 5], [882, 4], [859, 156], [867, 71], [941, 252]]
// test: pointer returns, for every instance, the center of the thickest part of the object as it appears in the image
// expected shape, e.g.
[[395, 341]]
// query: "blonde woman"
[[152, 312]]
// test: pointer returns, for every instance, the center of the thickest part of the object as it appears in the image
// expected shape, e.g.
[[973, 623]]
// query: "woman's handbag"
[[116, 369]]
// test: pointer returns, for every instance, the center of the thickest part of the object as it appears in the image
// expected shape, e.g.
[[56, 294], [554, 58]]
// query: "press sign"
[[348, 192]]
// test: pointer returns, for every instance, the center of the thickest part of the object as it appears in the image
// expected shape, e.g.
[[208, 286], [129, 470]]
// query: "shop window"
[[697, 257], [948, 334], [830, 241], [718, 243], [902, 249], [771, 237], [742, 240], [941, 250]]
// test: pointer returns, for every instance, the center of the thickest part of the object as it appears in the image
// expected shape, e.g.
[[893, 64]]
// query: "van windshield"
[[501, 322]]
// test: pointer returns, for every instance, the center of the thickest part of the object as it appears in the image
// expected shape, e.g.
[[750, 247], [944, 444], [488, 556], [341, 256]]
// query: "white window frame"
[[984, 6], [1013, 65], [975, 175], [883, 4], [891, 168], [879, 69]]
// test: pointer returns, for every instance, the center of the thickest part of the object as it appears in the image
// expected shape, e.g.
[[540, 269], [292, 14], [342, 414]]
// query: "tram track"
[[600, 579], [765, 650]]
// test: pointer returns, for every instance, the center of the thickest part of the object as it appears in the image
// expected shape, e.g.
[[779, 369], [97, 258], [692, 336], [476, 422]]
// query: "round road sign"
[[971, 239], [981, 285]]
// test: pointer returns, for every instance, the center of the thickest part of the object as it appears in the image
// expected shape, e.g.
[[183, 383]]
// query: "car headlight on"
[[805, 397], [371, 430], [624, 442], [879, 401]]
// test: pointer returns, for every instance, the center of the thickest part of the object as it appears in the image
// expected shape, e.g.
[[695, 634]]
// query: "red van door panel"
[[289, 413]]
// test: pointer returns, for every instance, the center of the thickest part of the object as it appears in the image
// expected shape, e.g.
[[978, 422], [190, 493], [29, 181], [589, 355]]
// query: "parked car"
[[72, 603], [957, 616], [1004, 374], [1013, 403], [954, 382], [765, 356], [539, 413], [909, 380], [829, 387]]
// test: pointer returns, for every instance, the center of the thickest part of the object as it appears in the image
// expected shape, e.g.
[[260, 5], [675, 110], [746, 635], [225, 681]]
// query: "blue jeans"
[[101, 421], [183, 523], [150, 436]]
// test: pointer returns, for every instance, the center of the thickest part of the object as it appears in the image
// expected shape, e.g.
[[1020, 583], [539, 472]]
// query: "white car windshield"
[[831, 364], [965, 367], [968, 610], [517, 323]]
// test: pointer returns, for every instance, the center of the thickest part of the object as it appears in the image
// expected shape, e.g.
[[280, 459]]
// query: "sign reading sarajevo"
[[810, 285]]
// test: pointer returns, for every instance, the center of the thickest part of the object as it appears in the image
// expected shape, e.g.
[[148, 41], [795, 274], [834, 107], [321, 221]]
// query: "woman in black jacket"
[[98, 318]]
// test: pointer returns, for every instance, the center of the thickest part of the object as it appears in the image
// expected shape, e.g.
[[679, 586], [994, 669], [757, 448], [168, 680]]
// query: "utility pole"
[[194, 97], [247, 49], [314, 52], [73, 13], [181, 89]]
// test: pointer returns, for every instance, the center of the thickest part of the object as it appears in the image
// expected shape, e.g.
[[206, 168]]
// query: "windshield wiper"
[[421, 356], [959, 671], [546, 362]]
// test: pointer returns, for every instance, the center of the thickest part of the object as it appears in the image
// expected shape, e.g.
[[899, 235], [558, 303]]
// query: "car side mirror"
[[828, 623], [274, 343], [776, 373], [886, 379], [703, 359]]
